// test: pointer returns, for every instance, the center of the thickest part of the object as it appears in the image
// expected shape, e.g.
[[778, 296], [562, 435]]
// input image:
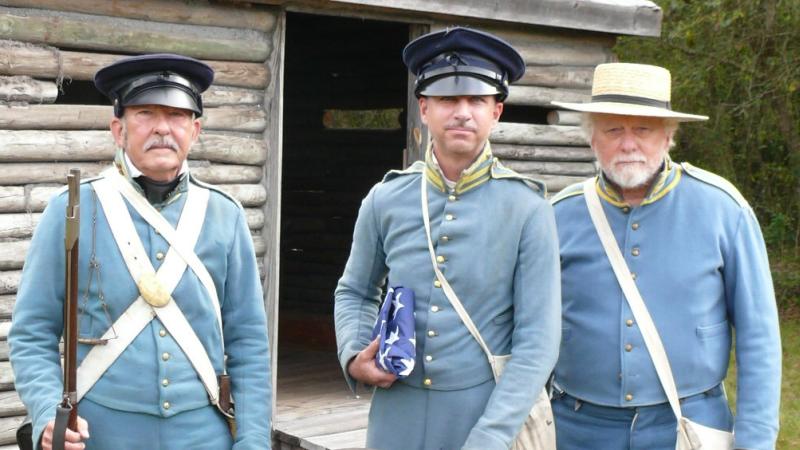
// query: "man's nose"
[[628, 143], [162, 124], [462, 110]]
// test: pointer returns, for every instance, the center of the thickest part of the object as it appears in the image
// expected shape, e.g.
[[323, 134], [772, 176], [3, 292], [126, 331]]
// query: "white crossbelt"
[[110, 191]]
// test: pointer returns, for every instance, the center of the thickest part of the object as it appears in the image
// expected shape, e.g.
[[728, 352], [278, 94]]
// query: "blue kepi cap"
[[462, 61], [157, 79]]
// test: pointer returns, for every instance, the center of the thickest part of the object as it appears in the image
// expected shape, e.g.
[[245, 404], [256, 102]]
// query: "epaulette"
[[417, 167], [193, 179], [716, 181], [569, 191], [499, 171]]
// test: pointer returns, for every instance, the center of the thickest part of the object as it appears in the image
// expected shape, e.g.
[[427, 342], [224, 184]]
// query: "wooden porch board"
[[315, 408]]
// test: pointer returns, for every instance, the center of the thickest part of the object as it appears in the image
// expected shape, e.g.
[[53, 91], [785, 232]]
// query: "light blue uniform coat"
[[701, 266], [134, 383], [497, 236]]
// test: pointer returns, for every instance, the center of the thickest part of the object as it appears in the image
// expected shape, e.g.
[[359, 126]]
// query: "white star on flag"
[[409, 363], [394, 336], [397, 304]]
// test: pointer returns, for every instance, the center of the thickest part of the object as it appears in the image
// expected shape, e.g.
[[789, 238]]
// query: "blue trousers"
[[408, 418], [585, 426], [111, 429]]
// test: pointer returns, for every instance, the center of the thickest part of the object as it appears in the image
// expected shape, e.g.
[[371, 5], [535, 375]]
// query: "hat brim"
[[628, 109], [165, 96], [456, 85]]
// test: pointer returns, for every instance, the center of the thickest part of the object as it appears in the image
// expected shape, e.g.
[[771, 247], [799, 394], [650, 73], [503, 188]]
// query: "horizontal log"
[[552, 168], [564, 118], [526, 134], [555, 183], [542, 153], [6, 377], [12, 199], [229, 118], [9, 282], [12, 254], [564, 54], [27, 173], [542, 96], [84, 31], [3, 357], [34, 145], [232, 96], [8, 429], [10, 404], [5, 325], [183, 11], [6, 307], [225, 173], [26, 89], [255, 218], [259, 245], [575, 77], [247, 194], [97, 117], [21, 58]]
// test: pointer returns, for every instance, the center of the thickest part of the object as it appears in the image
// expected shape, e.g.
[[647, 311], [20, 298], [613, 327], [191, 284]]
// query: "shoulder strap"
[[649, 332], [448, 290]]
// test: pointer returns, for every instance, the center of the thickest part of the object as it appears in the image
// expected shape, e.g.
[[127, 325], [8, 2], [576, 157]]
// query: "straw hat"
[[631, 90]]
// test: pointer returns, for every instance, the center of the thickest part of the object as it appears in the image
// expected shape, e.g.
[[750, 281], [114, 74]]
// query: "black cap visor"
[[453, 81], [165, 96], [166, 89]]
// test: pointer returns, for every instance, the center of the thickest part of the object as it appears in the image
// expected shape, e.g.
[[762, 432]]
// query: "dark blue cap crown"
[[462, 61], [158, 79]]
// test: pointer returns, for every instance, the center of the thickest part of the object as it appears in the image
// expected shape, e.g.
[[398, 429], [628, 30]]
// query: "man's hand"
[[363, 368], [72, 439]]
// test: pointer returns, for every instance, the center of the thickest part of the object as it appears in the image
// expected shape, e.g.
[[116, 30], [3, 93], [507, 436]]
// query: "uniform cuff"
[[754, 436]]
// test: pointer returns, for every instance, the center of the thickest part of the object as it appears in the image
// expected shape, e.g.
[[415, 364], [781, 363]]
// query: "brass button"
[[635, 226], [160, 256], [629, 322], [440, 259], [626, 209], [452, 198], [165, 356], [165, 382], [449, 217], [635, 251], [428, 358], [633, 275], [445, 238], [162, 332], [427, 382], [434, 308], [628, 397], [431, 333], [166, 405], [437, 283], [628, 347]]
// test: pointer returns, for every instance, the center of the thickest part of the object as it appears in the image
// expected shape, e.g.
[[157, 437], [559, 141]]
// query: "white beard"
[[631, 176]]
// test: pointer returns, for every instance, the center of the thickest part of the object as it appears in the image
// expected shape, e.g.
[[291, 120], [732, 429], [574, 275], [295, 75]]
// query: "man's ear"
[[196, 127], [498, 111], [423, 109], [116, 131]]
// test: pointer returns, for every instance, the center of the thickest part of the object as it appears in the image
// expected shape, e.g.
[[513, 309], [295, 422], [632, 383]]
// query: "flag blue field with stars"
[[397, 347]]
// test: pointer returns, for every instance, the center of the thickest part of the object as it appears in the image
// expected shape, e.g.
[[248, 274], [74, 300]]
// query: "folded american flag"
[[395, 329]]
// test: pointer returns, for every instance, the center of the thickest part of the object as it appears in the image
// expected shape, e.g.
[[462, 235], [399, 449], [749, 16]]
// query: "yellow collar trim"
[[662, 186], [476, 174]]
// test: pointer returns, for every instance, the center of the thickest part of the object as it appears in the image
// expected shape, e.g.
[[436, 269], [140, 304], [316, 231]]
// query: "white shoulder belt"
[[111, 189]]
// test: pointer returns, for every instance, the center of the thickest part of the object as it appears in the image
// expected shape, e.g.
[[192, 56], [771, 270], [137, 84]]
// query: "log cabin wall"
[[52, 118]]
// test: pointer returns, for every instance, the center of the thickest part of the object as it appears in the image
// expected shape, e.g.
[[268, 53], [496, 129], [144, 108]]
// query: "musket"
[[68, 408]]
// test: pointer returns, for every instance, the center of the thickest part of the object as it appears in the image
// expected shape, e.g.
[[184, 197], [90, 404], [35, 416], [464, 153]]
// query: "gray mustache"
[[163, 141]]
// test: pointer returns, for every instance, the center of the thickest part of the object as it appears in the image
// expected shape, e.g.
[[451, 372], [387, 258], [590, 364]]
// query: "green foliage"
[[737, 61]]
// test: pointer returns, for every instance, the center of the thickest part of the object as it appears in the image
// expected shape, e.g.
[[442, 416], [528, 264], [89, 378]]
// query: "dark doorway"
[[343, 128]]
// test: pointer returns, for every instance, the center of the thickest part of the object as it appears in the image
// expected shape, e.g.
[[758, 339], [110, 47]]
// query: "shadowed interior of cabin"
[[343, 129]]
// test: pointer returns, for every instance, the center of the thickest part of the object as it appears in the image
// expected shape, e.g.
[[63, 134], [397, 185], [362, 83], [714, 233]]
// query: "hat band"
[[456, 70], [644, 101]]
